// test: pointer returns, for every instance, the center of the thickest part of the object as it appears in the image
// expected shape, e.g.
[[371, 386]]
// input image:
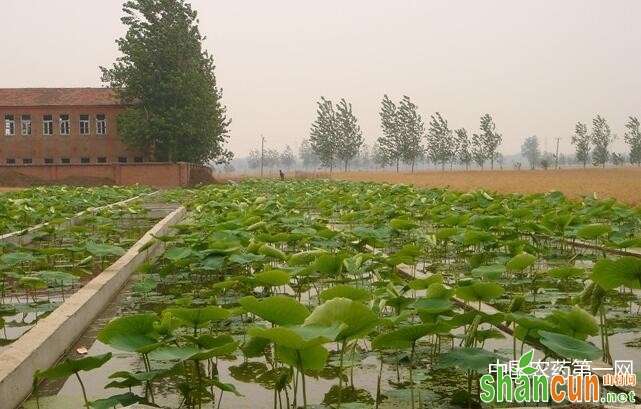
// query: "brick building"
[[62, 126]]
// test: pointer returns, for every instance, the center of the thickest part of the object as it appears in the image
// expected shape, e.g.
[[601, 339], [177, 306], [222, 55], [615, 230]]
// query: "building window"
[[101, 159], [48, 161], [65, 160], [138, 159], [84, 124], [64, 124], [26, 161], [47, 124], [9, 125], [101, 124], [122, 159], [84, 160], [25, 125], [10, 161]]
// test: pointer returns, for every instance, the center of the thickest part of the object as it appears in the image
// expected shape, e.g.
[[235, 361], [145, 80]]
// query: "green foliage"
[[601, 138], [633, 138], [440, 143], [582, 139], [277, 309], [167, 82], [567, 347]]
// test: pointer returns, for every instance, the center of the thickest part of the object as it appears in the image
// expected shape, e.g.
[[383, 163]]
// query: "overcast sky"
[[536, 66]]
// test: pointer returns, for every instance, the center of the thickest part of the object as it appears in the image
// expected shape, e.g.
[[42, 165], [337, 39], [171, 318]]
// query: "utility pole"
[[262, 154], [557, 152]]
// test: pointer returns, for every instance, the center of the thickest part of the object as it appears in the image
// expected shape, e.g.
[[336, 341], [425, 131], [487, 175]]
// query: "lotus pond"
[[357, 295], [22, 209], [35, 278]]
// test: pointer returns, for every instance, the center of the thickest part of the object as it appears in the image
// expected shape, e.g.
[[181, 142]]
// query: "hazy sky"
[[536, 66]]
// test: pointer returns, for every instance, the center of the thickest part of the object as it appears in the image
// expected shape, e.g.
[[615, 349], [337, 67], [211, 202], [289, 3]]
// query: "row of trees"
[[595, 145], [272, 158], [336, 136]]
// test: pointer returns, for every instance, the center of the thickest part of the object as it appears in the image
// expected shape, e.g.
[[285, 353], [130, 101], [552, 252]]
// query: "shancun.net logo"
[[526, 380]]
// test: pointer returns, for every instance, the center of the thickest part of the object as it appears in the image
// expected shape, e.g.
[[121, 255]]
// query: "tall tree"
[[530, 150], [440, 143], [490, 139], [601, 138], [633, 138], [323, 135], [350, 137], [478, 150], [390, 147], [167, 83], [411, 130], [581, 140], [463, 149]]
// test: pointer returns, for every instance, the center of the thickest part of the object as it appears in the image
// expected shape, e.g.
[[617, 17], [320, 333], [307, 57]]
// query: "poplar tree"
[[489, 139], [478, 150], [633, 138], [601, 138], [350, 137], [166, 81], [530, 149], [323, 136], [581, 141], [390, 148], [440, 143], [411, 132], [463, 152]]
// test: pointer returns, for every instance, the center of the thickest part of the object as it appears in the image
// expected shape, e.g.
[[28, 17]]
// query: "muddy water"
[[21, 309], [237, 370]]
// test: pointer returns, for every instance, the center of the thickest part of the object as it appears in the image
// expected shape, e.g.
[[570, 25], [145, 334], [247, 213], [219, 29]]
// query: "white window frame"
[[25, 125], [101, 125], [85, 123], [47, 124], [9, 125], [65, 123]]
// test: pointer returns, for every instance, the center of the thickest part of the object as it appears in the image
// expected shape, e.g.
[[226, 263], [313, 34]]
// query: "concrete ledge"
[[52, 337], [25, 236]]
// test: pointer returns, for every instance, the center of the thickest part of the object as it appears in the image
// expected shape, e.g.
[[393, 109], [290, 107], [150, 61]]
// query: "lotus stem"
[[84, 392]]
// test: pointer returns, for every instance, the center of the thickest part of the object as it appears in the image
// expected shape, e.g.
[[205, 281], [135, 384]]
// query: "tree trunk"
[[397, 159], [412, 165], [345, 165]]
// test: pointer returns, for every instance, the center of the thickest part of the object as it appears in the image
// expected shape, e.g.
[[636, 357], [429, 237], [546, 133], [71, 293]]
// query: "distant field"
[[9, 189], [621, 183]]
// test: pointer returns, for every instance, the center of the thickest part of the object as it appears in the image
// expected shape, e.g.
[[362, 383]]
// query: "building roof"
[[31, 97]]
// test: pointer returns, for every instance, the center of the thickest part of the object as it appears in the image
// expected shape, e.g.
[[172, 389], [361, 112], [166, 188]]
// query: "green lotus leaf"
[[359, 319], [491, 273], [72, 366], [271, 278], [405, 337], [103, 250], [345, 291], [567, 347], [520, 262], [480, 291], [475, 359], [277, 309]]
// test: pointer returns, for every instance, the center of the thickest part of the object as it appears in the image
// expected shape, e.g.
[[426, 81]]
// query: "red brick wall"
[[151, 174], [74, 146]]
